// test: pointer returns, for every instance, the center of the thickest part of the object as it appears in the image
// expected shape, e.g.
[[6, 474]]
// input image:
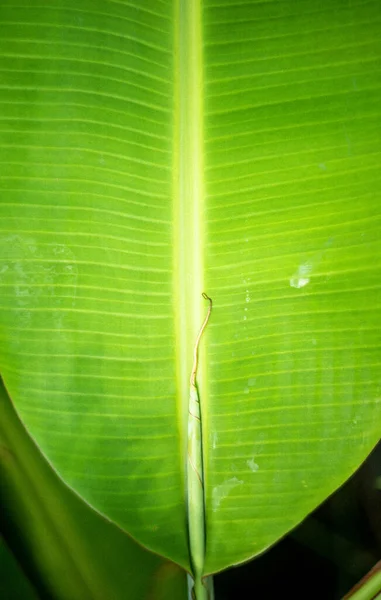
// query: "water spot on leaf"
[[220, 492], [301, 278], [252, 465], [49, 280], [302, 275]]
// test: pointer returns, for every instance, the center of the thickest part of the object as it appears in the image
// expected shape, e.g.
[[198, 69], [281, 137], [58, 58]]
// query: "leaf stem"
[[195, 476], [200, 589], [369, 587]]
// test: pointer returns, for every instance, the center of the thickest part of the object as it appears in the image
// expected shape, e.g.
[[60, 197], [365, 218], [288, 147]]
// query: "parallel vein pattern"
[[292, 162], [88, 348], [150, 151]]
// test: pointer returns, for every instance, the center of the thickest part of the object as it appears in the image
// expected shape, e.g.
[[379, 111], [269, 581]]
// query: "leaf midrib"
[[188, 205]]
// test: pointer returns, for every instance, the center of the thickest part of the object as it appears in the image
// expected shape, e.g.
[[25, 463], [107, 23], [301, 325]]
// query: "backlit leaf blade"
[[88, 347], [66, 548], [293, 211], [122, 201]]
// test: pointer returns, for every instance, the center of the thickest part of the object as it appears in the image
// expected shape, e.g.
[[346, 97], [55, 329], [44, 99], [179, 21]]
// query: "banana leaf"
[[153, 151]]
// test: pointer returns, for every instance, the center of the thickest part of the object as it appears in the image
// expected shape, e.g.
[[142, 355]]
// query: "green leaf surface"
[[67, 550], [156, 150]]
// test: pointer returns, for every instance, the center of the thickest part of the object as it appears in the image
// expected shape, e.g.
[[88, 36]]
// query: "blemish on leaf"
[[252, 465], [220, 492]]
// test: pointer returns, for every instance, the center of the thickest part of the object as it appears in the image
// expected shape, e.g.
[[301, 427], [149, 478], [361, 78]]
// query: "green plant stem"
[[200, 588], [201, 591], [369, 588]]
